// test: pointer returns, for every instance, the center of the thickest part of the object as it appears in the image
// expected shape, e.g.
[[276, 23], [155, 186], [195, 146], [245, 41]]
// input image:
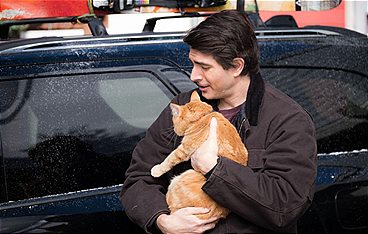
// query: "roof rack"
[[151, 22], [294, 33], [95, 24], [136, 38]]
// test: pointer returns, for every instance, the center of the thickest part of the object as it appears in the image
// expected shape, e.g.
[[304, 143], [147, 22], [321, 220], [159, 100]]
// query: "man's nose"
[[196, 75]]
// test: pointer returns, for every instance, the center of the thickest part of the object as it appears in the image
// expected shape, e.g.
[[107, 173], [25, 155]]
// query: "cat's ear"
[[174, 109], [195, 97]]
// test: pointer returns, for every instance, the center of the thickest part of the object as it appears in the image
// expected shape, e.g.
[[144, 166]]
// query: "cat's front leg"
[[177, 156]]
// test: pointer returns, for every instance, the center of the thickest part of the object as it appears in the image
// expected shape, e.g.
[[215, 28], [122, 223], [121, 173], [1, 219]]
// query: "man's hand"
[[185, 221], [205, 157]]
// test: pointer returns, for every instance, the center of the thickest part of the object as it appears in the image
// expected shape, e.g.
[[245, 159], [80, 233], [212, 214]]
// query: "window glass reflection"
[[63, 134]]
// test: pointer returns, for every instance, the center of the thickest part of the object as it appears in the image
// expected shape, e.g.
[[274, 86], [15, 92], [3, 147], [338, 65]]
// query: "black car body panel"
[[340, 203], [71, 108], [93, 210]]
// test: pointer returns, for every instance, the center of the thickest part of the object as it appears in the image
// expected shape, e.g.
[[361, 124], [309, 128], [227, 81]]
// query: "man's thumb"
[[213, 128]]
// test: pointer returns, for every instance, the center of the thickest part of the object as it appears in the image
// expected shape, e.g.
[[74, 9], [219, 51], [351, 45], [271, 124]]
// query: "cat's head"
[[185, 115]]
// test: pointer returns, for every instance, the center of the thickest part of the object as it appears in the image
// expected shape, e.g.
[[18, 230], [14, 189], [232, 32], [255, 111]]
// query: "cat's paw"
[[156, 171]]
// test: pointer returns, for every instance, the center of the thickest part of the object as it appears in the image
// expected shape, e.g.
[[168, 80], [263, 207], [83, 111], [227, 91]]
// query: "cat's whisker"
[[170, 134], [168, 130], [173, 137]]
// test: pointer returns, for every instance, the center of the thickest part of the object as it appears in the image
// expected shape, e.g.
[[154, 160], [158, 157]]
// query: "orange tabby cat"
[[192, 121]]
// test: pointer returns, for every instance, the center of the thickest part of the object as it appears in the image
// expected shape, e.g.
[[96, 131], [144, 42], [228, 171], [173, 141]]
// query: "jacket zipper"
[[241, 125]]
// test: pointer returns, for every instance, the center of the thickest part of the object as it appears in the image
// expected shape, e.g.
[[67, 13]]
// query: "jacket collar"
[[254, 99]]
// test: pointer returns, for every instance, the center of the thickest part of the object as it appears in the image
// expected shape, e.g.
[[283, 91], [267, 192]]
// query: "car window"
[[68, 133], [337, 101], [175, 77], [136, 100]]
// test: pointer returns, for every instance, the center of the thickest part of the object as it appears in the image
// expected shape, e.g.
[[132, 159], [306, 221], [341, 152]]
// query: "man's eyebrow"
[[201, 63]]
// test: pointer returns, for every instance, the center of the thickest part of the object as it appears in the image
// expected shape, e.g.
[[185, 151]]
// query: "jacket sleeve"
[[143, 196], [277, 193]]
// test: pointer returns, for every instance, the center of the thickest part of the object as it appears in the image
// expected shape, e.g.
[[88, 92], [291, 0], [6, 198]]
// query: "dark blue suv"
[[73, 109]]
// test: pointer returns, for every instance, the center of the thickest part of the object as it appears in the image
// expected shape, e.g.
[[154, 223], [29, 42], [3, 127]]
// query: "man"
[[275, 188]]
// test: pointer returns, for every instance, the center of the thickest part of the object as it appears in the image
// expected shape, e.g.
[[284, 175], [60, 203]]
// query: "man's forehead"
[[200, 57]]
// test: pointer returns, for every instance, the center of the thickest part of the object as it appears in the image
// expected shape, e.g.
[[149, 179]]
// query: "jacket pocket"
[[255, 159]]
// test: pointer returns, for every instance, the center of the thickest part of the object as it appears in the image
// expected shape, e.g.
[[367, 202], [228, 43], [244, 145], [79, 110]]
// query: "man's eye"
[[205, 68]]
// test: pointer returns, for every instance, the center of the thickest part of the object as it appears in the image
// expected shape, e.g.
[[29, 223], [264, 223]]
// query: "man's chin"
[[208, 95]]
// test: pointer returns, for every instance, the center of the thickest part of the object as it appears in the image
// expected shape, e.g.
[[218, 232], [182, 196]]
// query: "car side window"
[[69, 133], [337, 101]]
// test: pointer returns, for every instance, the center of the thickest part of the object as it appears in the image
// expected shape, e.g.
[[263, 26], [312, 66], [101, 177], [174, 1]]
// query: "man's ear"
[[195, 96], [239, 65], [174, 109]]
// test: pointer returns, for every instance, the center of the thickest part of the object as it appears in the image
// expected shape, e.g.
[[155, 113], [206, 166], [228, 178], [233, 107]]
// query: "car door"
[[336, 97], [67, 140]]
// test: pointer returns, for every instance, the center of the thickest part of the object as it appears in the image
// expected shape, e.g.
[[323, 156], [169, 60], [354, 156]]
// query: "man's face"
[[212, 79]]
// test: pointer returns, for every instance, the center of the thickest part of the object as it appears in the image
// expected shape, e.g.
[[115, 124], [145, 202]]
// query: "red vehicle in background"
[[305, 12], [300, 12], [326, 13]]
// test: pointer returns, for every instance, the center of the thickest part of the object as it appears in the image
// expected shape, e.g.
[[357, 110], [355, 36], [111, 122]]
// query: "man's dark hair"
[[227, 35]]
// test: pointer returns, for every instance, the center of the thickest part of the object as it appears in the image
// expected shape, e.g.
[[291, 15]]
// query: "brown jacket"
[[268, 195]]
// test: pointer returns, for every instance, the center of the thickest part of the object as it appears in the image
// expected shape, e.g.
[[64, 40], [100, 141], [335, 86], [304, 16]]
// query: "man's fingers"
[[212, 220], [208, 227], [213, 129], [209, 224]]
